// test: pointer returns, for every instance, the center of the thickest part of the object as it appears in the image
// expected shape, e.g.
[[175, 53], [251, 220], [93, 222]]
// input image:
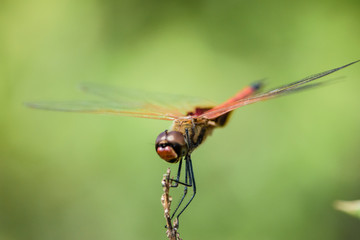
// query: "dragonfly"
[[194, 118]]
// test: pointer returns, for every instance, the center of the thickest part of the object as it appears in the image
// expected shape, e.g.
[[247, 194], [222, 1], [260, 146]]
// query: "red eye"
[[171, 146]]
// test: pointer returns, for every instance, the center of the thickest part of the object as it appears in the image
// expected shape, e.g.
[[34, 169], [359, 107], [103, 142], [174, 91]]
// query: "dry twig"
[[166, 199]]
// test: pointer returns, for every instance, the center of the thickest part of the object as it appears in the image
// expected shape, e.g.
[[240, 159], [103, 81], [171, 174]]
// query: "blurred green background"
[[272, 173]]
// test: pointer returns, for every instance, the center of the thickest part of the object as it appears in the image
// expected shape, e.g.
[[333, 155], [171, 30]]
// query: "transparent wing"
[[164, 102], [101, 107], [128, 102], [289, 88]]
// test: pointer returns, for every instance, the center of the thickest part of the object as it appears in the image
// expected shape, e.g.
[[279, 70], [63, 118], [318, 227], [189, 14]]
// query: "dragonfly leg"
[[192, 182], [178, 176], [187, 178], [181, 183], [177, 180]]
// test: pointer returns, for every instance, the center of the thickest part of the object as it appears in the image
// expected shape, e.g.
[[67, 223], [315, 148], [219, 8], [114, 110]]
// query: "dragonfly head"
[[171, 146]]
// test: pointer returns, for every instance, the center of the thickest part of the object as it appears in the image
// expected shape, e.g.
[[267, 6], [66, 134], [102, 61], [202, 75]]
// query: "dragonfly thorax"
[[171, 146]]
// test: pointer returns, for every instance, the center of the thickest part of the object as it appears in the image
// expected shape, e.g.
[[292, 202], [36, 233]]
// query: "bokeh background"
[[272, 173]]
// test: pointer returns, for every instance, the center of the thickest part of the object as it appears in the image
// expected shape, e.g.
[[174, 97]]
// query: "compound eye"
[[161, 138], [171, 146], [176, 138]]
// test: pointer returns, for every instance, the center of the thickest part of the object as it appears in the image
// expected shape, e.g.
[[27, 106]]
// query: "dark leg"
[[187, 178], [178, 176], [192, 182], [189, 174], [177, 180]]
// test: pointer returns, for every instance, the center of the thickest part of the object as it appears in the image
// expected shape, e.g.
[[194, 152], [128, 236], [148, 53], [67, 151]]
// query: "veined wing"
[[102, 107], [128, 102], [175, 104], [289, 88]]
